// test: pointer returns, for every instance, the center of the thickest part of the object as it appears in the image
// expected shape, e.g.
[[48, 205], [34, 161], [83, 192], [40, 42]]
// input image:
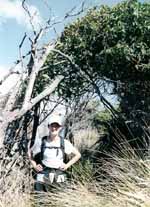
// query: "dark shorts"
[[49, 177]]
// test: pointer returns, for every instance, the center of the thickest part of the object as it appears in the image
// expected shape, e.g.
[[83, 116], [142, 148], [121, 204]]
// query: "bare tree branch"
[[48, 90], [29, 73], [20, 52], [90, 80], [25, 7], [10, 72], [35, 69], [71, 14], [19, 113], [12, 98]]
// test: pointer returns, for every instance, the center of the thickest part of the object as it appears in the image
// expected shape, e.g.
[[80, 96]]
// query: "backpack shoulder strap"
[[62, 145], [43, 147]]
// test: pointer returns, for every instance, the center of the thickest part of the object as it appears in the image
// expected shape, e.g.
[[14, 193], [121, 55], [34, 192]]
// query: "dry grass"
[[121, 181], [126, 184], [85, 138], [14, 185]]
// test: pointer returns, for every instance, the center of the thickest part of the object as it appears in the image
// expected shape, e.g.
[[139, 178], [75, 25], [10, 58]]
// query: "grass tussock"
[[122, 180], [15, 186], [85, 138], [124, 183]]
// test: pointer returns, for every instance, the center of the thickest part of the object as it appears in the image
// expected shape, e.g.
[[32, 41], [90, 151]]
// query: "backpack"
[[39, 156]]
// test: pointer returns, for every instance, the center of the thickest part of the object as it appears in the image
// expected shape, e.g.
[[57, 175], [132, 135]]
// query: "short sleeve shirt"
[[53, 157]]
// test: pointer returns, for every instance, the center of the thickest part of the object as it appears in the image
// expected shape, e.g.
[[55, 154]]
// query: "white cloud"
[[13, 10]]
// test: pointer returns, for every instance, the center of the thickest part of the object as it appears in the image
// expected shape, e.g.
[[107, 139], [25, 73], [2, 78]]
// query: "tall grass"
[[122, 180], [124, 183], [15, 184]]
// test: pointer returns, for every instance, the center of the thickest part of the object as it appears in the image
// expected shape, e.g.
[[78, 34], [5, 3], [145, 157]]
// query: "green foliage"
[[106, 43], [100, 121], [83, 171], [74, 84], [103, 116], [112, 42], [42, 81]]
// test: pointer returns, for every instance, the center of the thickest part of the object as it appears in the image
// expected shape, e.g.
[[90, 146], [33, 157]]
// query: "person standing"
[[52, 149]]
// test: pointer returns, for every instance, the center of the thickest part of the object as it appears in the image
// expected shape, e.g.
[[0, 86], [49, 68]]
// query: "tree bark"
[[9, 116]]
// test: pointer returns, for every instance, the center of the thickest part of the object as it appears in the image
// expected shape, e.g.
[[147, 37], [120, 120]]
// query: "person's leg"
[[60, 180], [39, 185], [60, 176]]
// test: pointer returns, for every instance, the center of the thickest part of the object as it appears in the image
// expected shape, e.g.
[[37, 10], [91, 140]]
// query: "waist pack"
[[50, 176]]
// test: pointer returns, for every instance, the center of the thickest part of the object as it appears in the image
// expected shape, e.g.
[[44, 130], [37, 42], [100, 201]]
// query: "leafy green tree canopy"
[[108, 42], [113, 42]]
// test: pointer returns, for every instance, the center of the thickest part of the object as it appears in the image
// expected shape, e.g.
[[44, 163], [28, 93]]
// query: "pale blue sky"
[[13, 23]]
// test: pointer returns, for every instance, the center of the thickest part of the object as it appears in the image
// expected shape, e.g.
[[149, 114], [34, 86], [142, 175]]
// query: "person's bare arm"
[[36, 166], [74, 159]]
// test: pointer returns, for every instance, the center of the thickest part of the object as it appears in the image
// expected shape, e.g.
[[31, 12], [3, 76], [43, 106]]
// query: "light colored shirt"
[[52, 158]]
